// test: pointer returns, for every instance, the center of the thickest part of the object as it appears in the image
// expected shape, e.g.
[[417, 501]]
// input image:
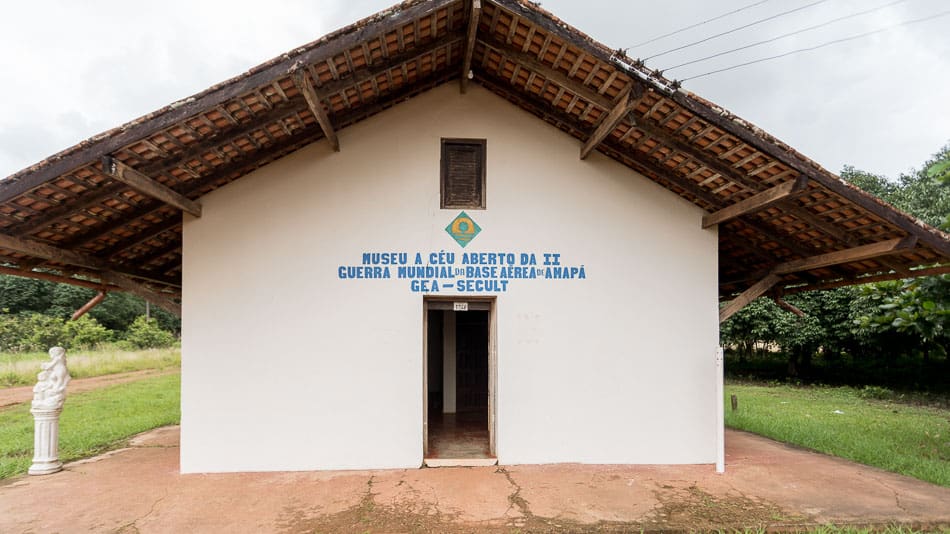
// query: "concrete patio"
[[766, 484]]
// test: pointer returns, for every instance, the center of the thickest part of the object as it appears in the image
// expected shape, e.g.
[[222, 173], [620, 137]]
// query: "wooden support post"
[[863, 252], [791, 308], [613, 118], [473, 17], [747, 296], [756, 202], [121, 172], [93, 302], [107, 272], [315, 103]]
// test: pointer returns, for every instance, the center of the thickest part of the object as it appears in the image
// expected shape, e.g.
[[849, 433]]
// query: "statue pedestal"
[[45, 442]]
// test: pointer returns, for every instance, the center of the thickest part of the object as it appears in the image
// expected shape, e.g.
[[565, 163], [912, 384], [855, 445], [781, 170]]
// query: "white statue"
[[49, 393]]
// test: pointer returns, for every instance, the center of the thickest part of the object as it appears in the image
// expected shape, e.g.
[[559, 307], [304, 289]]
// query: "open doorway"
[[459, 380]]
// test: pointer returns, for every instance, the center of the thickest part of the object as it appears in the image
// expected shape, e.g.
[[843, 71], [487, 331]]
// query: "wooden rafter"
[[315, 103], [139, 237], [555, 76], [105, 270], [756, 202], [624, 105], [50, 216], [474, 14], [121, 172], [701, 156]]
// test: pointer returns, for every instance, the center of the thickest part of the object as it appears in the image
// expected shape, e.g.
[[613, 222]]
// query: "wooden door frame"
[[446, 303]]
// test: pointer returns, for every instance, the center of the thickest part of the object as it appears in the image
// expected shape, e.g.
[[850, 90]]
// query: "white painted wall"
[[287, 367]]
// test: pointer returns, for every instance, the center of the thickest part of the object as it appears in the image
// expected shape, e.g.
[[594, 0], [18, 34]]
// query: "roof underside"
[[69, 218]]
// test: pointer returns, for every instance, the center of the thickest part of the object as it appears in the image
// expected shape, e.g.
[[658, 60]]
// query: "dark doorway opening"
[[458, 377]]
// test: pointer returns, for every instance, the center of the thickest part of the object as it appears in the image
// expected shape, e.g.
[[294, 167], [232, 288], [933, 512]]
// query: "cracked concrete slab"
[[466, 494], [766, 484]]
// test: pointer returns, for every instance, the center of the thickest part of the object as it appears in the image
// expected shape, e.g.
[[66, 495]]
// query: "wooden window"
[[463, 173]]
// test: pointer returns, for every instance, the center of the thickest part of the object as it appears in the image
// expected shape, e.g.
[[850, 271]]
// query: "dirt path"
[[18, 395]]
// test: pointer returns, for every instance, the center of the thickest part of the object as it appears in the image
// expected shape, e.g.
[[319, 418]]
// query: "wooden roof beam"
[[315, 103], [474, 14], [50, 277], [756, 202], [106, 272], [930, 271], [121, 172], [628, 101], [864, 252]]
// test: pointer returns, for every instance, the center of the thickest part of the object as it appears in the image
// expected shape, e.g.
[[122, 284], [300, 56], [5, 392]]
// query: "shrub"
[[85, 332], [875, 392], [145, 333], [39, 332], [9, 332]]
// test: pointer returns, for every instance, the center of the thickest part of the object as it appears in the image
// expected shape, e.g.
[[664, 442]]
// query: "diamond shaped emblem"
[[463, 229]]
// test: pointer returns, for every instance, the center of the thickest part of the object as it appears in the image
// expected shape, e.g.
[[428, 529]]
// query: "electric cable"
[[744, 26], [823, 45], [789, 34], [698, 24]]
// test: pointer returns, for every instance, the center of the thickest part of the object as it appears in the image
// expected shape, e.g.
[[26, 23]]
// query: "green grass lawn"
[[906, 439], [20, 369], [92, 422]]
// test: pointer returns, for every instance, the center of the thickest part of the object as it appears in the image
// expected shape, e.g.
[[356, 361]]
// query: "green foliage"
[[145, 333], [751, 326], [34, 332], [19, 294], [92, 422], [85, 333], [875, 392], [37, 332], [919, 308], [910, 440]]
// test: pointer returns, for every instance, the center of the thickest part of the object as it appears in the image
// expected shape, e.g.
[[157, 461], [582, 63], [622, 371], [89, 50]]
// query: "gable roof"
[[107, 212]]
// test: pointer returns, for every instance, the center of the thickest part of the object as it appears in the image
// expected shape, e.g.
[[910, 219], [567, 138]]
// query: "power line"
[[803, 30], [698, 24], [760, 21], [823, 45]]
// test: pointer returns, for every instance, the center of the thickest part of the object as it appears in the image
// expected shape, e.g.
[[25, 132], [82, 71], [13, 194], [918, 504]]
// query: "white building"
[[391, 252]]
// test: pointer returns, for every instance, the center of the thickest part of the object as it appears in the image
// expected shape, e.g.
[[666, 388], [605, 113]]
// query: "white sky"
[[882, 103]]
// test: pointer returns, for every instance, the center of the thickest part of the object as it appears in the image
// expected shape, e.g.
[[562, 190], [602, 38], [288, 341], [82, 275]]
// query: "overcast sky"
[[882, 103]]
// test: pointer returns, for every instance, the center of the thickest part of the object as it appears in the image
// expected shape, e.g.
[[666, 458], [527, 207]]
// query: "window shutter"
[[463, 173]]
